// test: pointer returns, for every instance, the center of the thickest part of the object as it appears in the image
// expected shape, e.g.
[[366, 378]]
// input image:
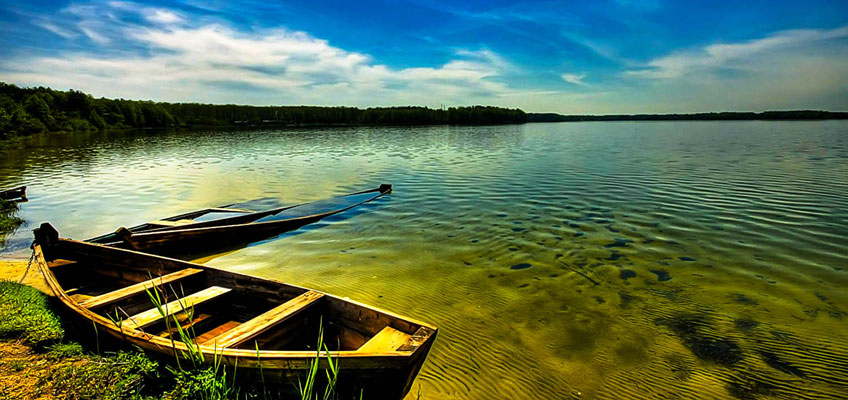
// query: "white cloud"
[[732, 55], [143, 52], [576, 79], [160, 16], [211, 62]]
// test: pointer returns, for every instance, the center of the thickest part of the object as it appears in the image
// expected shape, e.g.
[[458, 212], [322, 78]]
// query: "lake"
[[577, 260]]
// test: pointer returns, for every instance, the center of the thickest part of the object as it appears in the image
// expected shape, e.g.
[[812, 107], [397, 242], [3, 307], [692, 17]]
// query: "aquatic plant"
[[306, 389], [9, 220]]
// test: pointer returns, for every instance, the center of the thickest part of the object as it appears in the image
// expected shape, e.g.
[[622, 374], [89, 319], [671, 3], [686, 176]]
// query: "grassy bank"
[[44, 356], [38, 359]]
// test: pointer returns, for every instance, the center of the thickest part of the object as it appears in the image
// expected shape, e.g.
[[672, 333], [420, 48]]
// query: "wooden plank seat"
[[388, 339], [185, 324], [132, 290], [153, 315], [226, 326], [263, 322]]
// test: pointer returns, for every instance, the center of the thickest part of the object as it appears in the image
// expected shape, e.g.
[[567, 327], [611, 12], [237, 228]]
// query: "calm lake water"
[[574, 260]]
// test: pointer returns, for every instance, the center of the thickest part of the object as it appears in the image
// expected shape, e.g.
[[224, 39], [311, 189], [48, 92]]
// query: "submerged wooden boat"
[[230, 314], [13, 193], [212, 227]]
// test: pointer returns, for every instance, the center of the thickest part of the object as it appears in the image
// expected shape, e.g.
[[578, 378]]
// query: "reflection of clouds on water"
[[607, 259]]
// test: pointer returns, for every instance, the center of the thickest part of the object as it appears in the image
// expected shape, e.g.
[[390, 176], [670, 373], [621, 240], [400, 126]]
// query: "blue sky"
[[601, 57]]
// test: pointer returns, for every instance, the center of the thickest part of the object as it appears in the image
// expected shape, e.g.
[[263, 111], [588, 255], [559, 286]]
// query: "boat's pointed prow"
[[385, 188]]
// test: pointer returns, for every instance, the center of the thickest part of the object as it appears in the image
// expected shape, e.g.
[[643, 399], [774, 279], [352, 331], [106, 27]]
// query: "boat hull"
[[383, 374], [232, 232], [18, 193]]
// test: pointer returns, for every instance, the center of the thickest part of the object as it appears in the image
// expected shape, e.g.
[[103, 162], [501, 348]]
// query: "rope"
[[29, 264]]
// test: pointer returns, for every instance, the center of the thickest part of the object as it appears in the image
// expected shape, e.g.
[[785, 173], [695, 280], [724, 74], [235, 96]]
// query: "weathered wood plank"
[[388, 339], [263, 322], [151, 316], [79, 297], [226, 326], [129, 291], [185, 324]]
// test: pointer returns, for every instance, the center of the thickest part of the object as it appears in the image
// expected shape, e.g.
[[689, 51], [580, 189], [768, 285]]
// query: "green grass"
[[25, 314], [68, 370], [59, 351], [119, 376]]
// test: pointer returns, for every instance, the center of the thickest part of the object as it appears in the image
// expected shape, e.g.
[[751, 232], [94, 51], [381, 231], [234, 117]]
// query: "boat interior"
[[221, 309]]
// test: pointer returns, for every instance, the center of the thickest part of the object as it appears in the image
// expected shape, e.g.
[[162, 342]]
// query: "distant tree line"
[[719, 116], [25, 111]]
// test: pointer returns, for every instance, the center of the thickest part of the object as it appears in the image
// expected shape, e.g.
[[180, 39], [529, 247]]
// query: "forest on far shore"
[[712, 116], [25, 111]]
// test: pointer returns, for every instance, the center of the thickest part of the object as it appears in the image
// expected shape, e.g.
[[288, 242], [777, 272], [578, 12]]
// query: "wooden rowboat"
[[214, 228], [231, 314], [13, 193]]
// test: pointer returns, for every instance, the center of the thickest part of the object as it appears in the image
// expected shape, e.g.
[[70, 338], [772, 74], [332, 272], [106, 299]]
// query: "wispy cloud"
[[732, 55], [576, 79], [65, 33], [91, 29], [804, 68]]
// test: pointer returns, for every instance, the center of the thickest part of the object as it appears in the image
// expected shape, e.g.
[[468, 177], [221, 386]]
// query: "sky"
[[569, 57]]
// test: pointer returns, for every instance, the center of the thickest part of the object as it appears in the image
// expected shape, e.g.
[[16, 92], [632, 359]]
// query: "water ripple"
[[596, 260]]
